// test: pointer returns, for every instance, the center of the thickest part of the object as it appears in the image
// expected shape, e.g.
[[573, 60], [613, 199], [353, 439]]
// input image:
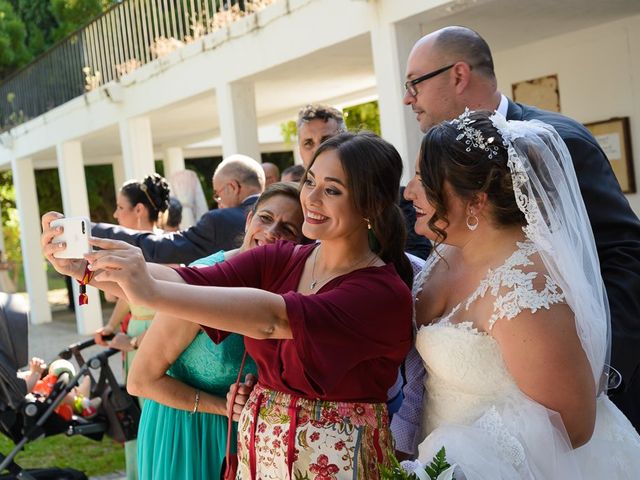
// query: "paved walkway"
[[48, 339]]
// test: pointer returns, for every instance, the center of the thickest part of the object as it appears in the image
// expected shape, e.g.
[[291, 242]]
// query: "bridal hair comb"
[[472, 136]]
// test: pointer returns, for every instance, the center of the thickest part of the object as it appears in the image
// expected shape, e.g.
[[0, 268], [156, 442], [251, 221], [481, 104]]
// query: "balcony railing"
[[127, 36]]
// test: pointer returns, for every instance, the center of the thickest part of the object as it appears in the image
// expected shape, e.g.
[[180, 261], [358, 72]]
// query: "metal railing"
[[125, 37]]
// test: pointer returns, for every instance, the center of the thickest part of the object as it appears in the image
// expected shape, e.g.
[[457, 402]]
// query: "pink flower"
[[340, 445], [323, 469], [314, 437], [358, 413]]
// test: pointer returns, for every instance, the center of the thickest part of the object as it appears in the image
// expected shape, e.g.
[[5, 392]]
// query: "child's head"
[[63, 369]]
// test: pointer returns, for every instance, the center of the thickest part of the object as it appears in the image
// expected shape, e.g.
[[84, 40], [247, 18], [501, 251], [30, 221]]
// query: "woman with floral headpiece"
[[512, 315]]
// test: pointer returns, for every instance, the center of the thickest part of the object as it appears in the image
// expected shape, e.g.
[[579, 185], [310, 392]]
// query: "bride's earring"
[[472, 222]]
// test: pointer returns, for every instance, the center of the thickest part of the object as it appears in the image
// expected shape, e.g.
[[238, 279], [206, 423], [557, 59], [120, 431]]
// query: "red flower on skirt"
[[323, 469]]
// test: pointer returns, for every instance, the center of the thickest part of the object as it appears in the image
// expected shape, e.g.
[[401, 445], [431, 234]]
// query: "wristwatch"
[[134, 343]]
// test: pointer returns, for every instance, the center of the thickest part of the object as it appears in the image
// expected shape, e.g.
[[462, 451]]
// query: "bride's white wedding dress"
[[474, 408]]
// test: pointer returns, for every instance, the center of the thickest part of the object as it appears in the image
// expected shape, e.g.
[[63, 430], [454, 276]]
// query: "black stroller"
[[24, 420]]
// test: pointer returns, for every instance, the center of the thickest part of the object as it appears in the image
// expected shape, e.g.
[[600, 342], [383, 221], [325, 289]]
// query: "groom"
[[451, 69]]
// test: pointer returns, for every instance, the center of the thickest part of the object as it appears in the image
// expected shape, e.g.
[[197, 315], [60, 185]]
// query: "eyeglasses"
[[410, 85], [217, 194]]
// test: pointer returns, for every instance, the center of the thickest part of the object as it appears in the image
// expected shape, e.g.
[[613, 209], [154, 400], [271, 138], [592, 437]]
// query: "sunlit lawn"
[[88, 456]]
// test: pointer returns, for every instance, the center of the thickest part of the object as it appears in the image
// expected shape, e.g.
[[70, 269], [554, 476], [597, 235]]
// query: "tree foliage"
[[13, 34], [72, 14], [30, 27], [40, 24], [10, 223], [365, 116]]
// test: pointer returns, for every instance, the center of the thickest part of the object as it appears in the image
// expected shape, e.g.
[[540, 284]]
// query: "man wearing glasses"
[[451, 69], [237, 183]]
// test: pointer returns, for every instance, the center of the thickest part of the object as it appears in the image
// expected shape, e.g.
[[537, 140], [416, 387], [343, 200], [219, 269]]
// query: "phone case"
[[77, 231]]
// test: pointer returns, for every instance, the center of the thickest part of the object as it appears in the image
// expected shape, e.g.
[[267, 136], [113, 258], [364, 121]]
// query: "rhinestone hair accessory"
[[472, 136]]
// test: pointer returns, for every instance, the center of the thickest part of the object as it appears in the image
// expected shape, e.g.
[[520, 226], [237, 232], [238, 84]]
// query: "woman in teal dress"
[[139, 204], [185, 376]]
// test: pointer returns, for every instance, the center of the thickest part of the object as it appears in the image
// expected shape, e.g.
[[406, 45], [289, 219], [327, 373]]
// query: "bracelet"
[[196, 402], [83, 299]]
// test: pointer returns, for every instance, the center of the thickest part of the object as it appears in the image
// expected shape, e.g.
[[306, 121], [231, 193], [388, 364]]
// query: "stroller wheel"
[[31, 410]]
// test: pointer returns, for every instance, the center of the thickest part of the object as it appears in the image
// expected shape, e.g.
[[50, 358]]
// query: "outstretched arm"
[[75, 268], [163, 343], [248, 311], [177, 247]]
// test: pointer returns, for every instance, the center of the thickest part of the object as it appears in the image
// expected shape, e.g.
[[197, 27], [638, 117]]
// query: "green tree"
[[40, 24], [13, 34], [365, 116], [72, 14], [10, 224]]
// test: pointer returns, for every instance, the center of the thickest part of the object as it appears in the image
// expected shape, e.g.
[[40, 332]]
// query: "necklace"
[[314, 282]]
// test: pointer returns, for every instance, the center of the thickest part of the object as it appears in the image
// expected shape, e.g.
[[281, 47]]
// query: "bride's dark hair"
[[444, 158]]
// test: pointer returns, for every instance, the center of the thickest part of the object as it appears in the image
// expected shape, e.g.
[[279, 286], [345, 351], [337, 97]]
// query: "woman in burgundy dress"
[[327, 324]]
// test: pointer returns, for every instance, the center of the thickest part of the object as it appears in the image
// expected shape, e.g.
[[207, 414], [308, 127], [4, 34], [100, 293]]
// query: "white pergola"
[[236, 82]]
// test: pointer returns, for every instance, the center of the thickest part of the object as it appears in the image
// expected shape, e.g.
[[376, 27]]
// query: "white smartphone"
[[76, 234]]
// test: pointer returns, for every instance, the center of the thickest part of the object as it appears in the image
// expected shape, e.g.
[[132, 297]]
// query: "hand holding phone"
[[76, 234]]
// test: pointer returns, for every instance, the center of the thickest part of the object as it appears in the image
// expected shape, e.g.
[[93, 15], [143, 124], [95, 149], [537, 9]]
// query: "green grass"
[[88, 456]]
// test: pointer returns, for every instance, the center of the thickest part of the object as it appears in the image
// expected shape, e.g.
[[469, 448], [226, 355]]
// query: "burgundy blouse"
[[348, 339]]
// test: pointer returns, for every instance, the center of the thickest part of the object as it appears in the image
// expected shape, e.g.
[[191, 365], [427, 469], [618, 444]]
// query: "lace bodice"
[[466, 374]]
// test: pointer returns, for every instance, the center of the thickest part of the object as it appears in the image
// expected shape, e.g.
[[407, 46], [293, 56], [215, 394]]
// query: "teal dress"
[[176, 444], [139, 322]]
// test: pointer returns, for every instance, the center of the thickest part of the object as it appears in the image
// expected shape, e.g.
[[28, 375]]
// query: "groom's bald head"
[[465, 76], [456, 44]]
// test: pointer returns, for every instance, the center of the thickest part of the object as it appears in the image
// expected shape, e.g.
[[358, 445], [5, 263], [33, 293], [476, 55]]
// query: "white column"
[[118, 174], [173, 161], [391, 44], [297, 158], [238, 123], [35, 276], [137, 148], [75, 202]]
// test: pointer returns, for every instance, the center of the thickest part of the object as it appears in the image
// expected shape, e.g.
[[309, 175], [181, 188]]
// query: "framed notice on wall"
[[542, 92], [614, 138]]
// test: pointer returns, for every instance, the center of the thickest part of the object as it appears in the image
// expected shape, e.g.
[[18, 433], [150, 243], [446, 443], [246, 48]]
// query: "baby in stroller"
[[25, 418], [76, 402]]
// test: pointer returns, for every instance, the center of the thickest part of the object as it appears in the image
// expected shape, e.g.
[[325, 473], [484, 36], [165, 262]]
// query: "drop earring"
[[472, 222]]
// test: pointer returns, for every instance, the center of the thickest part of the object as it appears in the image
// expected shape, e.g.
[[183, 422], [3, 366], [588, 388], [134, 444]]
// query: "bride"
[[512, 315]]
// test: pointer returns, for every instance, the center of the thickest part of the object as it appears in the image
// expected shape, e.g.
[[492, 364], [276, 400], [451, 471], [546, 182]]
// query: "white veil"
[[546, 191]]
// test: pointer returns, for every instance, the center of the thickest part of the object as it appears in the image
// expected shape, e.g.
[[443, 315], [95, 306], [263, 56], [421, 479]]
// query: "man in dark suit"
[[237, 183], [451, 69]]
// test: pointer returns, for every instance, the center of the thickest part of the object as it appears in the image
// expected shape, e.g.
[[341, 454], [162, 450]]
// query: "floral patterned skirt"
[[285, 437]]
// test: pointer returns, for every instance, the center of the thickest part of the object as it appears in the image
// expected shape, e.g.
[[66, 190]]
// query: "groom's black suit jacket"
[[617, 234]]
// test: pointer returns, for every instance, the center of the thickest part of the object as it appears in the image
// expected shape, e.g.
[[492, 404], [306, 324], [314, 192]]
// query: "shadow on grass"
[[91, 457]]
